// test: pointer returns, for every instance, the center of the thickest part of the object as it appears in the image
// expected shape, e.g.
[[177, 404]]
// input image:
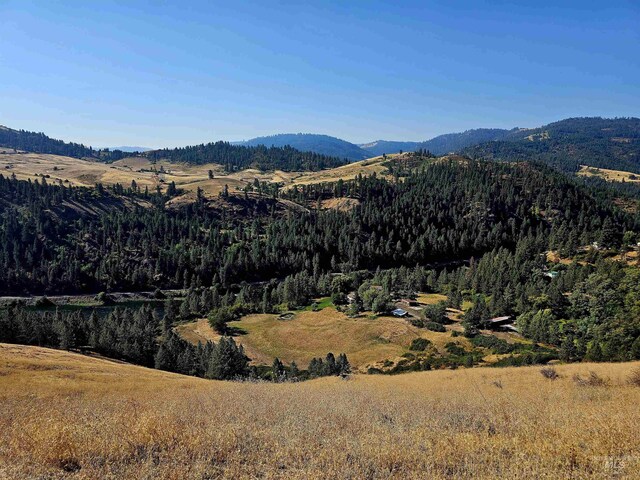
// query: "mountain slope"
[[567, 144], [311, 142], [453, 142]]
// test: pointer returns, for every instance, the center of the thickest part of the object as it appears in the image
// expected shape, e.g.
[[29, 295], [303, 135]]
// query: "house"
[[551, 274], [498, 321], [399, 312]]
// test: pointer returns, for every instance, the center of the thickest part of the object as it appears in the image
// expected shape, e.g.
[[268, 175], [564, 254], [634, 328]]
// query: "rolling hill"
[[64, 415]]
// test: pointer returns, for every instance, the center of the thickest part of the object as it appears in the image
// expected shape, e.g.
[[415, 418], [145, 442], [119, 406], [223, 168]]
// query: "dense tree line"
[[237, 157], [448, 212], [41, 143]]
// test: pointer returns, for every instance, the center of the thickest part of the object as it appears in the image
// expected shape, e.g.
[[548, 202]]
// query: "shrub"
[[550, 373], [104, 298], [455, 349], [159, 294], [419, 344], [43, 302], [339, 298], [634, 378], [593, 380], [435, 327]]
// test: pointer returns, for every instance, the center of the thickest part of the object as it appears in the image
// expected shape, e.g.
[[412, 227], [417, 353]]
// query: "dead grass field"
[[609, 175], [367, 341], [79, 172], [345, 172], [431, 298], [67, 416]]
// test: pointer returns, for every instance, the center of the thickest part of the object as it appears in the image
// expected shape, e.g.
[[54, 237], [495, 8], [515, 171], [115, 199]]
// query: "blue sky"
[[161, 73]]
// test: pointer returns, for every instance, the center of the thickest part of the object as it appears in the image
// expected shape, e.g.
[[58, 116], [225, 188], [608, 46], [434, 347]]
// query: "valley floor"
[[66, 415]]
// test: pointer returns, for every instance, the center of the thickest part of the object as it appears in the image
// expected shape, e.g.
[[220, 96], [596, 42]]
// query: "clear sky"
[[169, 73]]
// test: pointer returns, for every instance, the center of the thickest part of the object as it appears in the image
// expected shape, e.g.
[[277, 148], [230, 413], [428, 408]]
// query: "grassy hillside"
[[64, 415], [609, 175], [71, 171]]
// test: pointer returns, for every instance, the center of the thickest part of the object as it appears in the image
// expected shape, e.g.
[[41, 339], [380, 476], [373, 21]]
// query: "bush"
[[634, 378], [219, 318], [455, 349], [159, 294], [339, 298], [43, 302], [593, 380], [435, 327], [550, 373], [104, 299], [495, 344], [419, 344]]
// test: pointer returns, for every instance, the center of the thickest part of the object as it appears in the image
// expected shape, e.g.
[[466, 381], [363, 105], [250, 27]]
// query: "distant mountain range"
[[130, 149], [337, 147], [566, 144]]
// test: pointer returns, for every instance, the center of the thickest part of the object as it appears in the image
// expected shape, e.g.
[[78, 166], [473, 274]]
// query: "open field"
[[78, 172], [367, 340], [609, 175], [63, 415], [346, 172]]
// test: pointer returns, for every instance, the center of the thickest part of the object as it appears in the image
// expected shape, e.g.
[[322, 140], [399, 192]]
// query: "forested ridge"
[[238, 157], [38, 142], [448, 211], [567, 144]]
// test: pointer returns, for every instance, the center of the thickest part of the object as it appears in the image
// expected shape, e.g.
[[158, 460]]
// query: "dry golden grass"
[[367, 341], [609, 175], [346, 172], [313, 334], [79, 172], [343, 204], [64, 415], [430, 298]]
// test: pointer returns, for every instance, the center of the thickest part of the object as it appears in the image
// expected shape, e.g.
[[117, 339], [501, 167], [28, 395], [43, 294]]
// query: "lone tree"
[[278, 372], [219, 317]]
